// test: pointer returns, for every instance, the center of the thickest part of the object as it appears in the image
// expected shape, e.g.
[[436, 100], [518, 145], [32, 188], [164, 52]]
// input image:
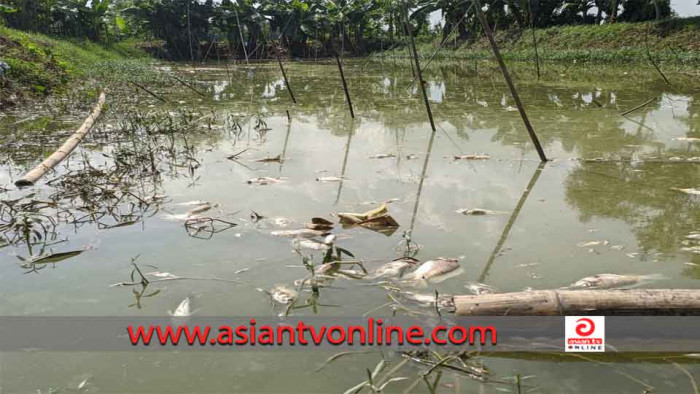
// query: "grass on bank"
[[672, 40], [41, 65]]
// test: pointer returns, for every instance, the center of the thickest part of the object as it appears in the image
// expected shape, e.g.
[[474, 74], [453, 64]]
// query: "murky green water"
[[621, 213]]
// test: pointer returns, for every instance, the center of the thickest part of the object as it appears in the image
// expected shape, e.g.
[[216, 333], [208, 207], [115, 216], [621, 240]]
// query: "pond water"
[[607, 202]]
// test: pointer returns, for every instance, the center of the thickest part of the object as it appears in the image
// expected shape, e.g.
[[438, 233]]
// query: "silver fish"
[[265, 180], [383, 156], [303, 233], [472, 157], [199, 209], [395, 268], [434, 268], [183, 310], [313, 244], [329, 179], [688, 190], [443, 300], [610, 281], [477, 212], [284, 295], [481, 288]]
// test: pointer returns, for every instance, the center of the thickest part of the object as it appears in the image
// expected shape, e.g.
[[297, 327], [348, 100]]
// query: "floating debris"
[[480, 288], [283, 295], [183, 310], [265, 180], [377, 219], [434, 269], [411, 156], [327, 179], [383, 156], [276, 159], [478, 212], [610, 281], [395, 268], [471, 157], [617, 247], [207, 226]]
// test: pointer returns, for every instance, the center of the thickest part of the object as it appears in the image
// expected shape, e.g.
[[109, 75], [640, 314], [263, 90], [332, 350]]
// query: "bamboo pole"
[[68, 146], [345, 86], [286, 82], [418, 70], [509, 81], [581, 302], [188, 86]]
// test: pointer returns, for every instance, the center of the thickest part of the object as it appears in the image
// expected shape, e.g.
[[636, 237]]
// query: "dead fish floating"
[[283, 295], [692, 191], [328, 179], [395, 268], [182, 310], [611, 281], [265, 180], [478, 212], [383, 156], [199, 209], [471, 157], [480, 288], [436, 270], [313, 244], [444, 301], [301, 233]]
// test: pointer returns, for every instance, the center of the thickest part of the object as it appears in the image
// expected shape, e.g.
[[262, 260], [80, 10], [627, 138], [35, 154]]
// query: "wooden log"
[[581, 302], [68, 146]]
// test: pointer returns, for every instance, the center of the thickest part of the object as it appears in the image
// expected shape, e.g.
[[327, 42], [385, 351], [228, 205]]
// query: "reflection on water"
[[128, 191]]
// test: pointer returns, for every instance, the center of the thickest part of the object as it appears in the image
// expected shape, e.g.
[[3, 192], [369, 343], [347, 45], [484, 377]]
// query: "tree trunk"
[[657, 9]]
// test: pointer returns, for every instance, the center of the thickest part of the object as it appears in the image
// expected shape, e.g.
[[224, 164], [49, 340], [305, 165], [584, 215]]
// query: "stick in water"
[[32, 176], [418, 70], [345, 86], [509, 81], [286, 82]]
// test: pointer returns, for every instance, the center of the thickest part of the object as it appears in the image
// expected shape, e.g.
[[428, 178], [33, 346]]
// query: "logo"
[[584, 333]]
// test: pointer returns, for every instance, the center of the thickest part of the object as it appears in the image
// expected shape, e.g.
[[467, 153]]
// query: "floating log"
[[50, 162], [581, 302]]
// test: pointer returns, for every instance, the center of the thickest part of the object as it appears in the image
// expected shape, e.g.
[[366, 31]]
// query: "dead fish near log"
[[182, 310], [383, 156], [327, 179], [471, 157], [283, 295], [478, 212], [437, 270], [395, 268], [265, 180], [612, 281], [444, 301], [302, 233], [481, 288]]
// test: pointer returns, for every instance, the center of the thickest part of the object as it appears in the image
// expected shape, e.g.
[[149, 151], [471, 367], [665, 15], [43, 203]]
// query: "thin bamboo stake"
[[189, 34], [240, 32], [148, 91], [188, 86], [68, 146], [286, 82], [581, 302], [345, 86], [418, 70], [534, 39], [509, 81], [642, 105]]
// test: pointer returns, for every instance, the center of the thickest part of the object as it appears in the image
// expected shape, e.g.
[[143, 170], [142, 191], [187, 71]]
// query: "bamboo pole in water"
[[418, 70], [286, 82], [581, 302], [68, 146], [509, 81], [345, 86]]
